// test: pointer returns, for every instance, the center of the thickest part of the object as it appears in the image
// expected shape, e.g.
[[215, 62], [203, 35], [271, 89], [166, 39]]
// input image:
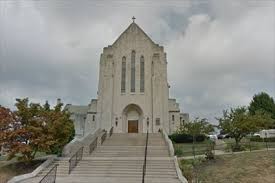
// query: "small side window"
[[158, 121]]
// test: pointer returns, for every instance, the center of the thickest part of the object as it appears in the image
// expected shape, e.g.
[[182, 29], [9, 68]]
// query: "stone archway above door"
[[132, 119]]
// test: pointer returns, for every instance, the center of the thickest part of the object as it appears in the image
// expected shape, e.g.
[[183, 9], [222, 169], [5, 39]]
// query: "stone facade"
[[133, 92]]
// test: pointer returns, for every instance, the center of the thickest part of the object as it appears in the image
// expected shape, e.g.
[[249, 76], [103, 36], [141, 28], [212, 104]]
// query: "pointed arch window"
[[123, 75], [133, 71], [142, 73]]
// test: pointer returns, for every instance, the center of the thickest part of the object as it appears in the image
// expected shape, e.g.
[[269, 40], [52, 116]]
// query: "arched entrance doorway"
[[132, 119]]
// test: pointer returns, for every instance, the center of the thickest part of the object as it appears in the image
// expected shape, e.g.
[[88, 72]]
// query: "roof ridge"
[[132, 24]]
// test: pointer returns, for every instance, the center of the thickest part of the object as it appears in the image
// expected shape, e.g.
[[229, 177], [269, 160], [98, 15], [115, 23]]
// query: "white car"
[[213, 137]]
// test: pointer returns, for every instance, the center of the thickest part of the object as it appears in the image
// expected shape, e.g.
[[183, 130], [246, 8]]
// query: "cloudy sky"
[[220, 53]]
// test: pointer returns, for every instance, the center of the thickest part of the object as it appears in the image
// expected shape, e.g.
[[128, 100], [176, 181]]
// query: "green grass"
[[200, 148], [247, 144], [186, 149], [250, 167]]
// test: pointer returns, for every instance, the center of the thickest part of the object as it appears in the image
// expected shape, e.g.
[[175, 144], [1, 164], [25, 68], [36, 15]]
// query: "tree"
[[196, 127], [238, 123], [59, 119], [35, 124], [264, 102], [34, 128]]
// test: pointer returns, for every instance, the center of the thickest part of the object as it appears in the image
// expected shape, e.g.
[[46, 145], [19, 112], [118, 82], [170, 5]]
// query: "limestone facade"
[[133, 92]]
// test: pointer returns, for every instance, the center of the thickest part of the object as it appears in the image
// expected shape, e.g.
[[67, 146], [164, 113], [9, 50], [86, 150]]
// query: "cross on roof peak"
[[133, 18]]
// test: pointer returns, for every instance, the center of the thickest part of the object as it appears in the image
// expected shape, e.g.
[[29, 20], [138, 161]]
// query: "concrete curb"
[[179, 173], [169, 143], [77, 143], [171, 152], [34, 173]]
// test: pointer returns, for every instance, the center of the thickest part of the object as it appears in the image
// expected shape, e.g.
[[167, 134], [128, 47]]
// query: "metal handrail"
[[73, 161], [48, 178], [111, 131], [92, 146], [145, 158], [103, 137]]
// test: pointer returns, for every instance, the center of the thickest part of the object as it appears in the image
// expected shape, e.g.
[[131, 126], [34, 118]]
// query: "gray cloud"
[[220, 53]]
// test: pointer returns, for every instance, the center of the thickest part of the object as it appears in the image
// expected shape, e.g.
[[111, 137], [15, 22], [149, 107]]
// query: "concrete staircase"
[[120, 159]]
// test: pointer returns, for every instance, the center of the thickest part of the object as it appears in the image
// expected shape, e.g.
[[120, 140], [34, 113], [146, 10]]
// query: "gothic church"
[[133, 91]]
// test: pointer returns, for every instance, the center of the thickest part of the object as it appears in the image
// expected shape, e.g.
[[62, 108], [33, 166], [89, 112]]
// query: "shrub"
[[234, 147], [190, 168], [186, 138], [187, 169], [209, 155], [258, 139], [178, 151]]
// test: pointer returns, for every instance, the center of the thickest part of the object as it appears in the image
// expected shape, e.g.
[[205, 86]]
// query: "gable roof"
[[77, 109], [133, 25]]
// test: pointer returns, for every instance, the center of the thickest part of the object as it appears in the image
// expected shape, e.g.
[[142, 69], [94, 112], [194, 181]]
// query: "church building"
[[133, 91]]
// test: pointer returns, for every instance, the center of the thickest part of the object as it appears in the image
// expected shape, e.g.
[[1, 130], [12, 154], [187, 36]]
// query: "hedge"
[[258, 139], [186, 138]]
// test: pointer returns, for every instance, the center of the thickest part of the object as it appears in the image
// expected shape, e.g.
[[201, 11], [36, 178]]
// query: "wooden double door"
[[133, 126]]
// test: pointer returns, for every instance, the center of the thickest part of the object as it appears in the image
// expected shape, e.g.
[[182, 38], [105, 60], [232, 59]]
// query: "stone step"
[[118, 174], [107, 180], [120, 159]]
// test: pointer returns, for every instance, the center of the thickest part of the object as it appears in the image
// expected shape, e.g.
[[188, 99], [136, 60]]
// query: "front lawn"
[[186, 149], [250, 167], [225, 145], [247, 144]]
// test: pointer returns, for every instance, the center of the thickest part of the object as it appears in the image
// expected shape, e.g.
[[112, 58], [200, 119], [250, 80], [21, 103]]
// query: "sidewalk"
[[219, 152]]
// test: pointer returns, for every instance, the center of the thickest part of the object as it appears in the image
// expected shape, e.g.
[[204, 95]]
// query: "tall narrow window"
[[141, 74], [133, 71], [123, 75]]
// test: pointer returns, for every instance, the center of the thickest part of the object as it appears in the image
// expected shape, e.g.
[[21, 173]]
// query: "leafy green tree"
[[196, 127], [238, 123], [264, 102]]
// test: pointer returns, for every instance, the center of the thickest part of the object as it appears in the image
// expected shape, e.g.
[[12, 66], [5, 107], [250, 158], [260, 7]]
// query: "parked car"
[[256, 135], [224, 136], [213, 137], [220, 136]]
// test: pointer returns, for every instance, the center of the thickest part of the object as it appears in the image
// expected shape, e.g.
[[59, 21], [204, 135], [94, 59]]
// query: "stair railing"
[[103, 137], [93, 145], [73, 161], [111, 132], [50, 177], [145, 159]]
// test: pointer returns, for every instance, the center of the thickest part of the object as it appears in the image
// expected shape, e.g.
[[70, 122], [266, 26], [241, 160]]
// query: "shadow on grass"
[[17, 168]]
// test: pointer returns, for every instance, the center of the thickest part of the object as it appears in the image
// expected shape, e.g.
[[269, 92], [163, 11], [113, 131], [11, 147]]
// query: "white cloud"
[[222, 61]]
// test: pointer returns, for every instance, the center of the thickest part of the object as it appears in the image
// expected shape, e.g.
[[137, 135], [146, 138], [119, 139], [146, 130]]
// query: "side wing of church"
[[133, 91]]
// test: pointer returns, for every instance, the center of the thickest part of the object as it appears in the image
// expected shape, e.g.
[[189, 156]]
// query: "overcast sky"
[[220, 53]]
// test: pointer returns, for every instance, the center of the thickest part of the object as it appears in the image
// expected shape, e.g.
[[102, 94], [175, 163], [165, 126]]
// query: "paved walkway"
[[219, 152]]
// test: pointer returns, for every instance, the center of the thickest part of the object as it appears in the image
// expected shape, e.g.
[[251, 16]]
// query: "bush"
[[189, 168], [186, 138], [178, 151], [258, 139], [234, 147]]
